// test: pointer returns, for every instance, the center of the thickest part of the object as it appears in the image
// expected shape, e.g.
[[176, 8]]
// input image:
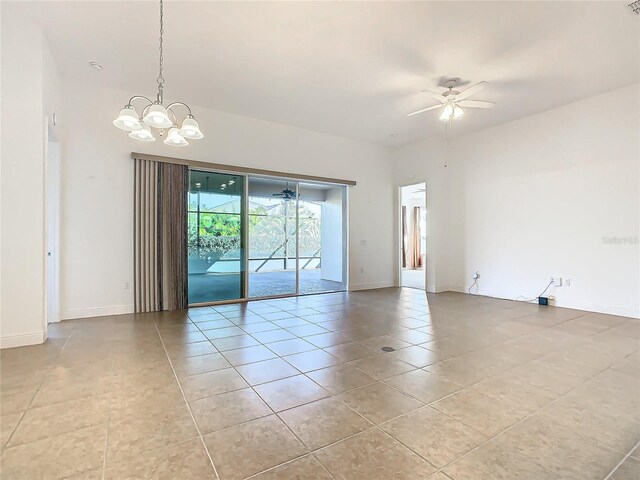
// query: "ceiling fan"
[[452, 100], [285, 194]]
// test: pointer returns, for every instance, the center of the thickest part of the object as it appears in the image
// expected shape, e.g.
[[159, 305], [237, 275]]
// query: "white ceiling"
[[350, 68]]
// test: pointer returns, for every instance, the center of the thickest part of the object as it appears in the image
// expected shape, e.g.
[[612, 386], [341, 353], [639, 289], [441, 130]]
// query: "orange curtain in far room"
[[404, 237], [416, 254]]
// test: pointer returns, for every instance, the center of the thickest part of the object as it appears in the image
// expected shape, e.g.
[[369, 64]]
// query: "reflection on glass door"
[[322, 238], [215, 242], [273, 243]]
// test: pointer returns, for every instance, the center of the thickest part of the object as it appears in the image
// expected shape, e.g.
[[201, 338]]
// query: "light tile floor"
[[476, 389]]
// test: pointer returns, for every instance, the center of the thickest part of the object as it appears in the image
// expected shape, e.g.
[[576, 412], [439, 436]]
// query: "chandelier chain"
[[160, 78], [155, 115]]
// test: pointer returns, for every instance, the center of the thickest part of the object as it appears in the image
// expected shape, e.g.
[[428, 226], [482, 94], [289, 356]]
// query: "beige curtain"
[[160, 236], [404, 237], [416, 254]]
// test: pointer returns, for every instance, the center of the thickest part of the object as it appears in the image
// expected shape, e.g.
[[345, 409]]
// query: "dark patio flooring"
[[226, 286]]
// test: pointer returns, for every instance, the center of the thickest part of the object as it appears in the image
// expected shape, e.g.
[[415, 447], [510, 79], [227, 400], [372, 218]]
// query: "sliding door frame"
[[244, 239], [298, 238], [244, 232]]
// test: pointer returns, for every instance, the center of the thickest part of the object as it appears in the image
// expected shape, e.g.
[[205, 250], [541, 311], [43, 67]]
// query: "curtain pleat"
[[404, 236], [175, 180], [160, 229], [416, 254]]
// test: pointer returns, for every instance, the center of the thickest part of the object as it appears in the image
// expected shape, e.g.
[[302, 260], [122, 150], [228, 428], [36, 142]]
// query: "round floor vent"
[[388, 349]]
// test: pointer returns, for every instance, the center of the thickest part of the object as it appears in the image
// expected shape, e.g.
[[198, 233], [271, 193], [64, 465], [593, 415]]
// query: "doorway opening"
[[413, 235], [52, 209]]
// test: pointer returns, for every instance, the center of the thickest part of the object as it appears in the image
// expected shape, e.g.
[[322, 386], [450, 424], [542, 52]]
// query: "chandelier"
[[155, 115]]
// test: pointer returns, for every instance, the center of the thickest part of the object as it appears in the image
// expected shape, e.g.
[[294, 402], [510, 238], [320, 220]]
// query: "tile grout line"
[[489, 439], [106, 439], [622, 461], [6, 444], [252, 389], [378, 426], [215, 470], [334, 396], [391, 386], [312, 452], [507, 429], [308, 454]]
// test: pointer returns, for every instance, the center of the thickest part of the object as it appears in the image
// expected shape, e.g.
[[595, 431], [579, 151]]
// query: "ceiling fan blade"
[[471, 90], [423, 110], [436, 95], [476, 104]]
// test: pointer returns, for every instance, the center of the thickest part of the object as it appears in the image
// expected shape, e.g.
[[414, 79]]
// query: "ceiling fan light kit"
[[156, 115], [452, 101]]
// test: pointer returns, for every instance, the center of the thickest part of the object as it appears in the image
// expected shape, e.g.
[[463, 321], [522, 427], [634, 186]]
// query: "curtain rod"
[[240, 170]]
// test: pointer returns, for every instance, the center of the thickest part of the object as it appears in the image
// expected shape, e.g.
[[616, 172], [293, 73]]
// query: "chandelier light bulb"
[[157, 117], [143, 134], [175, 139], [128, 119], [190, 128]]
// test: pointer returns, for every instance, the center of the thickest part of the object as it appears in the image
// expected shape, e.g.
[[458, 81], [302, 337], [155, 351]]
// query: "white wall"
[[29, 93], [331, 231], [539, 197], [96, 230], [426, 162]]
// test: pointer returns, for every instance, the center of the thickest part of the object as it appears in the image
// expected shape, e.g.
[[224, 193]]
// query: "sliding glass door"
[[295, 234], [322, 223], [216, 263], [273, 243]]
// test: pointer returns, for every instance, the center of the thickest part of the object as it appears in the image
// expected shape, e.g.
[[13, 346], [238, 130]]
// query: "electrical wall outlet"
[[126, 285], [567, 282], [556, 281]]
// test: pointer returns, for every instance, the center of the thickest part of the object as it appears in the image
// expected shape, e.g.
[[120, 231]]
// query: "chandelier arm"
[[182, 104], [145, 110], [136, 97], [175, 119]]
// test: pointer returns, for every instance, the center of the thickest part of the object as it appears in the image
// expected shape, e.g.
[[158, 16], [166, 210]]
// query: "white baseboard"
[[373, 286], [587, 307], [97, 312], [370, 286], [608, 309], [22, 340], [441, 289]]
